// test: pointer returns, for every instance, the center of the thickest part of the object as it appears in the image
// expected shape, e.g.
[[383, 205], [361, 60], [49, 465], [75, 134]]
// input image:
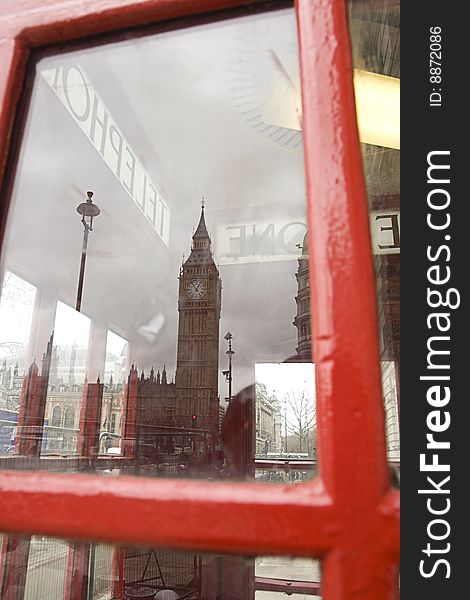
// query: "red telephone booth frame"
[[348, 516]]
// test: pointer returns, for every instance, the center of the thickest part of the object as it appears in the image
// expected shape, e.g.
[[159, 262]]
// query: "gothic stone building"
[[302, 318]]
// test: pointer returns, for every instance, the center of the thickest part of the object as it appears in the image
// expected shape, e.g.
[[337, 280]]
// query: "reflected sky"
[[186, 110]]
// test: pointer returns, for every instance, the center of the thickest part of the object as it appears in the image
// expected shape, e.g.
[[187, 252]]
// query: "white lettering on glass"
[[77, 94]]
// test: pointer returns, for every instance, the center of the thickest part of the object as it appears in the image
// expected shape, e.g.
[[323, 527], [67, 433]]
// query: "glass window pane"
[[67, 374], [167, 242]]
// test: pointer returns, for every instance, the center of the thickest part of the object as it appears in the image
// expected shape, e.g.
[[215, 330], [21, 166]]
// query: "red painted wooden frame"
[[348, 516]]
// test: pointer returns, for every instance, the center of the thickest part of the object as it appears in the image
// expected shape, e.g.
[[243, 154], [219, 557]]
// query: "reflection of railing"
[[159, 450], [286, 464], [61, 463], [286, 586], [285, 470]]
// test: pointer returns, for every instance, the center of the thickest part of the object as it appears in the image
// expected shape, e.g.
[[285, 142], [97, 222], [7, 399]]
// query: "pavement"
[[285, 567]]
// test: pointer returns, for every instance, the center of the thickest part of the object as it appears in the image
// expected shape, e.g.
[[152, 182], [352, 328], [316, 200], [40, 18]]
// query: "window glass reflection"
[[163, 323], [66, 378], [168, 250]]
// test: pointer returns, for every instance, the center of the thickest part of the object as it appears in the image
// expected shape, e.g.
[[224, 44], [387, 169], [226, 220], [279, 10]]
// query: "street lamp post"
[[228, 374], [88, 210], [285, 425]]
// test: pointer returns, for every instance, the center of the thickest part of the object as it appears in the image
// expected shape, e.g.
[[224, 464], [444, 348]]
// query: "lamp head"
[[88, 210]]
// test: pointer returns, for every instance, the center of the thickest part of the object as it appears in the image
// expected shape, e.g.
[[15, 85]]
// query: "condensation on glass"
[[155, 302], [375, 36], [60, 569]]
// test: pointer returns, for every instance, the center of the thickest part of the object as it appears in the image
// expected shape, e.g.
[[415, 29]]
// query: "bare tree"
[[302, 419]]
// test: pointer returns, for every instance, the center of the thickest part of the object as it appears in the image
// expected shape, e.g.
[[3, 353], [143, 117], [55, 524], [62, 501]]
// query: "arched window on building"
[[69, 419], [56, 416]]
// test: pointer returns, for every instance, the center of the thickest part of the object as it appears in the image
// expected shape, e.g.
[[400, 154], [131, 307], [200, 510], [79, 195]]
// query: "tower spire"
[[201, 229], [197, 363]]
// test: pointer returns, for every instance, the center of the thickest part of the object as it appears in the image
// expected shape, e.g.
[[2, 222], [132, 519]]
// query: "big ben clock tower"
[[197, 362]]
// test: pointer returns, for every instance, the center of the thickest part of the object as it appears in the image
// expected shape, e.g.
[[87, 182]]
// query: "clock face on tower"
[[196, 289]]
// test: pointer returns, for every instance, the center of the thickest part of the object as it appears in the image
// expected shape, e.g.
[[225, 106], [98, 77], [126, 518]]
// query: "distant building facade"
[[268, 422], [62, 417]]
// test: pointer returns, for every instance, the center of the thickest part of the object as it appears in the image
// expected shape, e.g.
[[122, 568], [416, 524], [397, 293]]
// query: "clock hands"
[[196, 288]]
